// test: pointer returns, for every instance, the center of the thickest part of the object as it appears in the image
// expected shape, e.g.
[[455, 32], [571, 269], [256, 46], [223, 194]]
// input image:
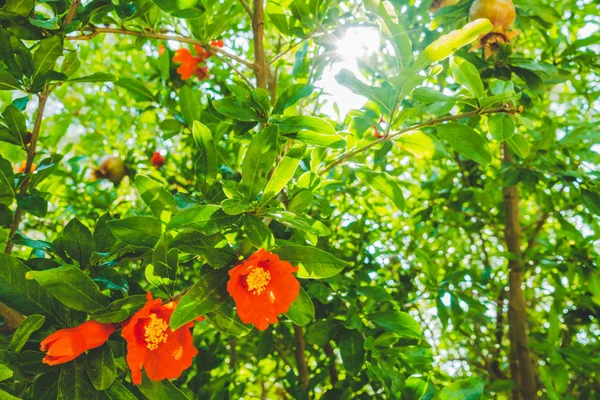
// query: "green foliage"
[[397, 214]]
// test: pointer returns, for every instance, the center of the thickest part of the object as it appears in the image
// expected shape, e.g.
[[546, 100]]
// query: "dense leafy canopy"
[[446, 231]]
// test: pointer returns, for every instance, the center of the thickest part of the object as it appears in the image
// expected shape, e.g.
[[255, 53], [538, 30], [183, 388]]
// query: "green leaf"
[[283, 173], [165, 260], [196, 217], [302, 222], [384, 97], [72, 287], [591, 200], [519, 145], [466, 142], [137, 231], [261, 98], [117, 391], [422, 145], [78, 242], [237, 109], [203, 297], [467, 75], [96, 77], [7, 396], [302, 310], [33, 204], [214, 248], [29, 325], [100, 366], [15, 120], [190, 105], [73, 383], [181, 9], [24, 295], [258, 233], [236, 206], [5, 373], [383, 183], [291, 95], [138, 90], [7, 179], [465, 389], [70, 64], [406, 81], [299, 123], [155, 196], [160, 390], [103, 237], [450, 43], [225, 320], [398, 322], [312, 263], [501, 126], [429, 95], [207, 162], [120, 310], [8, 82], [21, 7], [352, 351], [416, 388], [46, 55], [258, 160]]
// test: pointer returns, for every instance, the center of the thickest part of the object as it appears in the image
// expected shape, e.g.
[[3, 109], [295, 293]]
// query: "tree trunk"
[[522, 369], [258, 30]]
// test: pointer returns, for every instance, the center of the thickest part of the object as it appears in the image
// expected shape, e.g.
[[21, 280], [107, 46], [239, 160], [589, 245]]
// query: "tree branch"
[[94, 31], [247, 8], [538, 228], [341, 159], [291, 47], [299, 354], [31, 151], [258, 30], [333, 373], [71, 13]]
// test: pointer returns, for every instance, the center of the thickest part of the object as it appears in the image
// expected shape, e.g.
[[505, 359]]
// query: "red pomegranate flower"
[[262, 287], [157, 160], [67, 344], [152, 345], [188, 63], [161, 49]]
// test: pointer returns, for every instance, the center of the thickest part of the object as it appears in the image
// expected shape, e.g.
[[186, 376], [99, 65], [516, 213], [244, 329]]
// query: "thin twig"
[[237, 71], [71, 13], [31, 151], [247, 8], [291, 47], [342, 158], [538, 228], [94, 31]]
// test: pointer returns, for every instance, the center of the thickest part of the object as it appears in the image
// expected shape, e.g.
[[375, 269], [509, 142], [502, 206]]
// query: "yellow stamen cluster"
[[155, 332], [257, 280]]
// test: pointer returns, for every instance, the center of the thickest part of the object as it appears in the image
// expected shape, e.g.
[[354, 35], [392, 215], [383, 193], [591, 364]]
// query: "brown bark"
[[333, 373], [522, 369], [299, 355], [258, 30]]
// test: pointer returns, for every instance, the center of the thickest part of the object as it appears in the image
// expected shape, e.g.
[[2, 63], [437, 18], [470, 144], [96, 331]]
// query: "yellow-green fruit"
[[113, 169], [501, 13]]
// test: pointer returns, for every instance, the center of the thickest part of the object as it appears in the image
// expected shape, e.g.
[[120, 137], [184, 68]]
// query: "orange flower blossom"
[[190, 64], [67, 344], [157, 160], [152, 345], [262, 287]]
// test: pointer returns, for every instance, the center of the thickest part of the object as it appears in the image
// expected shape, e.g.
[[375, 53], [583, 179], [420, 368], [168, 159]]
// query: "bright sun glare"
[[357, 43]]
